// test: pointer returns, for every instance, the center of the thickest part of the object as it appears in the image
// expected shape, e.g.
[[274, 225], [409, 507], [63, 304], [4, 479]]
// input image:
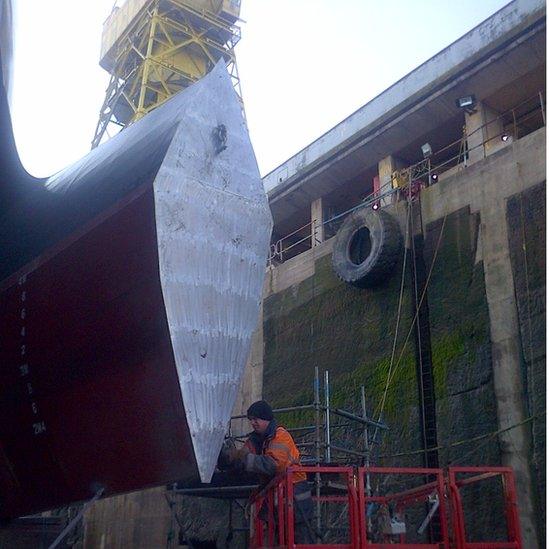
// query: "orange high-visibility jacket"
[[272, 454]]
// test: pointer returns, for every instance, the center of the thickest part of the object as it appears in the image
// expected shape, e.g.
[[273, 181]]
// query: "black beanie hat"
[[261, 410]]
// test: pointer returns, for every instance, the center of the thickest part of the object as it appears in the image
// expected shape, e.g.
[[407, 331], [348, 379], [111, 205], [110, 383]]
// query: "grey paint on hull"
[[213, 230]]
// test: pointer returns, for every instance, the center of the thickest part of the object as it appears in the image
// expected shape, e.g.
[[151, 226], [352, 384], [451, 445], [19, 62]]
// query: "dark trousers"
[[303, 513]]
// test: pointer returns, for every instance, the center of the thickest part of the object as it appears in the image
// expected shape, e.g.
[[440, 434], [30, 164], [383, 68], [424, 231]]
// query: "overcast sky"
[[304, 66]]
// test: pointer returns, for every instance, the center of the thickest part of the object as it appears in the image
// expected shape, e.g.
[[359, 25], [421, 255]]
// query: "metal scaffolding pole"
[[317, 448], [327, 409], [326, 437]]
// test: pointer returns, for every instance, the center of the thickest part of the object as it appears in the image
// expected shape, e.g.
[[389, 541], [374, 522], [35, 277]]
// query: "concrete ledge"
[[466, 51], [512, 169], [295, 270]]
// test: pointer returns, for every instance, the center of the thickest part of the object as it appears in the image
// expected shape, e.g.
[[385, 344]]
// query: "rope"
[[466, 441], [392, 371], [418, 329], [399, 311], [422, 297]]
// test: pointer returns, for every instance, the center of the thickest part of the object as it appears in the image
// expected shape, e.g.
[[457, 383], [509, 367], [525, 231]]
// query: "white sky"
[[304, 66]]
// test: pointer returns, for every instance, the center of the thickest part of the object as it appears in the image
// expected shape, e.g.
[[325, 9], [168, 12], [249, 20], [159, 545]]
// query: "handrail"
[[279, 511], [277, 249], [419, 170], [424, 167]]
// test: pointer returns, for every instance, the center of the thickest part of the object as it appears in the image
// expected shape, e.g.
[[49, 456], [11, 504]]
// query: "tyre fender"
[[366, 248]]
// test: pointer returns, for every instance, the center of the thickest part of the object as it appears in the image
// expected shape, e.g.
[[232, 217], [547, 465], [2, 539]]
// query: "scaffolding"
[[155, 48], [321, 443], [359, 505]]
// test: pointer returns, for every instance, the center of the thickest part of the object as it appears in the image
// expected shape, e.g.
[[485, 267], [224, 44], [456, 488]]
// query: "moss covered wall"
[[493, 214], [325, 323], [460, 333], [526, 218], [349, 331]]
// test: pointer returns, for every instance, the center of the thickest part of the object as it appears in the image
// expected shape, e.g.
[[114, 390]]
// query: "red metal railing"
[[431, 482], [277, 525], [281, 489], [505, 474]]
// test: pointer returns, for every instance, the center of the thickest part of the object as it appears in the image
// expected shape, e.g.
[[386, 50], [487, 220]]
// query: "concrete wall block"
[[295, 270], [507, 172], [526, 219], [317, 222]]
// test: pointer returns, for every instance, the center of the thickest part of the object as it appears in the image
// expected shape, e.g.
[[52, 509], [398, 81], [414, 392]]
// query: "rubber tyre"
[[385, 248]]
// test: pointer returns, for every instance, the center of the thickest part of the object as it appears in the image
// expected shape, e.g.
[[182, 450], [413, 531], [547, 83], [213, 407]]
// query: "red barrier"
[[431, 484], [431, 491], [479, 474], [281, 489]]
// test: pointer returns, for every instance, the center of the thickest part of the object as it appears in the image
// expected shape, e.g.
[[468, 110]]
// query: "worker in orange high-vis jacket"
[[269, 451]]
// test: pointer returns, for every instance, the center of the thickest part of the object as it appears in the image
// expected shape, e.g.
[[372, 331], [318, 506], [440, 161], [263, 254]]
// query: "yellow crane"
[[154, 48]]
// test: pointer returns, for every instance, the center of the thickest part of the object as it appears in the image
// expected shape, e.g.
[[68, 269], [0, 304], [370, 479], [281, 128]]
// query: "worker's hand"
[[235, 455], [231, 457], [224, 461]]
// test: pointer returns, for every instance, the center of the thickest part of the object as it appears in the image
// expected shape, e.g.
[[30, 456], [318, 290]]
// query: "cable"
[[399, 310], [417, 324], [391, 374], [422, 297], [466, 441]]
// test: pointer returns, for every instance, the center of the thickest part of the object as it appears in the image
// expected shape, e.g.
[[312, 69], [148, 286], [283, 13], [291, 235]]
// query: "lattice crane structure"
[[154, 48]]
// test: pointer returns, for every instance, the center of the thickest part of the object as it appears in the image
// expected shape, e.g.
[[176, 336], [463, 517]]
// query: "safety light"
[[434, 176], [375, 206], [505, 137], [426, 150], [467, 103]]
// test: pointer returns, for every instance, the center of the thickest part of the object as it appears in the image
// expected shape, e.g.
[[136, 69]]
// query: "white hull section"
[[213, 229]]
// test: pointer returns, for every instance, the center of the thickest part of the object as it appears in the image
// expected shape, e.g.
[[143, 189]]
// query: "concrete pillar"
[[493, 132], [506, 357], [317, 222], [484, 130], [386, 167]]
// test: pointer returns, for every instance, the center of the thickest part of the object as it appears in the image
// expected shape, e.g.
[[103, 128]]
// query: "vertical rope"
[[422, 295], [417, 306], [399, 313]]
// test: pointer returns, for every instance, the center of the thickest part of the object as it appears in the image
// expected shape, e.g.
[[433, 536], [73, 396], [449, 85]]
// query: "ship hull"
[[129, 293], [90, 393]]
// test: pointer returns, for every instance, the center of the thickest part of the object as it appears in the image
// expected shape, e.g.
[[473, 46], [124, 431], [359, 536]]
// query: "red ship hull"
[[89, 394]]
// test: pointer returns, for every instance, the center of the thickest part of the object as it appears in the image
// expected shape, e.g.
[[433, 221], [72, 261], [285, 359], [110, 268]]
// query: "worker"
[[268, 452]]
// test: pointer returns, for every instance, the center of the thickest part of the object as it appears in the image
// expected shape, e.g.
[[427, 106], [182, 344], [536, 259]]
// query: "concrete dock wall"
[[487, 312]]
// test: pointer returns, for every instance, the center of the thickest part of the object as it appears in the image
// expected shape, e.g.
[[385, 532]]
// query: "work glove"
[[231, 457], [236, 455], [223, 461]]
